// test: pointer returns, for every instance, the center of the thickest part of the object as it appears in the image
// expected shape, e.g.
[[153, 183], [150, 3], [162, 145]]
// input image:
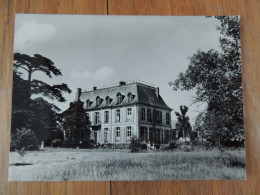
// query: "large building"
[[117, 113]]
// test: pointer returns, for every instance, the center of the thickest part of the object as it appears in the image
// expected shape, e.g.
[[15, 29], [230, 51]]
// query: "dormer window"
[[119, 98], [88, 103], [108, 100], [98, 101], [130, 97]]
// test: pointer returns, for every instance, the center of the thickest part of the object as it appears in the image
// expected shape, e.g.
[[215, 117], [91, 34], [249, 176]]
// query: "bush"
[[108, 146], [56, 143], [24, 138], [135, 145], [122, 146], [143, 146], [165, 147], [185, 147], [174, 144]]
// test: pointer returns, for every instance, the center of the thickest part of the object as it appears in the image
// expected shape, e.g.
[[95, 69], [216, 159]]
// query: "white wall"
[[112, 124]]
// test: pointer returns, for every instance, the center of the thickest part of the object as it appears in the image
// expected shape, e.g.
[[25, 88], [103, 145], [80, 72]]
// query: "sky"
[[99, 50]]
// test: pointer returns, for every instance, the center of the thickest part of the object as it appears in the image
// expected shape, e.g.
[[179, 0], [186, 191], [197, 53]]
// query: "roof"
[[143, 94]]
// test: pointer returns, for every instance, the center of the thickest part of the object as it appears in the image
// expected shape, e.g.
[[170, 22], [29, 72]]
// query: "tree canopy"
[[39, 63], [75, 124], [183, 125], [216, 77]]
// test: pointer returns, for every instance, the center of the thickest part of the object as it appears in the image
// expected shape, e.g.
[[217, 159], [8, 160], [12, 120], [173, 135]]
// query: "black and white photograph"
[[126, 98]]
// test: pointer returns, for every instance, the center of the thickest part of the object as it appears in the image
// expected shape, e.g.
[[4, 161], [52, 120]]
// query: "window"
[[88, 103], [143, 114], [167, 118], [129, 131], [105, 135], [106, 116], [97, 121], [119, 98], [130, 97], [129, 111], [158, 116], [118, 115], [98, 101], [129, 114], [118, 132], [108, 100], [149, 115]]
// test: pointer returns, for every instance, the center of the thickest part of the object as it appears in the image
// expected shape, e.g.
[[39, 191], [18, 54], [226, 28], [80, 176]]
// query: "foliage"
[[183, 126], [42, 64], [56, 143], [135, 145], [75, 123], [177, 145], [115, 146], [36, 113], [24, 139], [216, 77], [174, 144]]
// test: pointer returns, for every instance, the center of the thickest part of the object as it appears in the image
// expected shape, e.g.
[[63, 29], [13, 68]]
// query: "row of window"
[[149, 117], [118, 133], [106, 116], [108, 100], [156, 116]]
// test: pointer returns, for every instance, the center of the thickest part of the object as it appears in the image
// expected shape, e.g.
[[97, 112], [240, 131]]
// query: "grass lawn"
[[98, 164]]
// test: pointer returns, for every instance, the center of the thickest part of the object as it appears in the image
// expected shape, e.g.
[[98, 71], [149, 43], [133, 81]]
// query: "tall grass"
[[151, 166]]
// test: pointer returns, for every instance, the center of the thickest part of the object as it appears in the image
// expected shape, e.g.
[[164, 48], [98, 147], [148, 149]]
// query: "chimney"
[[78, 94], [122, 83], [94, 88], [157, 92]]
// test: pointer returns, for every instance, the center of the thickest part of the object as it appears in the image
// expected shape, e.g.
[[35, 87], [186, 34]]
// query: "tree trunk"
[[29, 83]]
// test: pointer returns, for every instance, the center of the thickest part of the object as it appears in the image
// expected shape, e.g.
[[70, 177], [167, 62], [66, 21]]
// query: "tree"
[[135, 145], [23, 138], [216, 77], [183, 126], [36, 114], [39, 63], [75, 123]]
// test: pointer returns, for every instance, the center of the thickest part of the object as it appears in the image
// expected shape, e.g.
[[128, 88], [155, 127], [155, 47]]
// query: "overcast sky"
[[100, 50]]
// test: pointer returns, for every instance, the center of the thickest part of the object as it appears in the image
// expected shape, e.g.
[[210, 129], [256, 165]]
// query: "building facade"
[[117, 113]]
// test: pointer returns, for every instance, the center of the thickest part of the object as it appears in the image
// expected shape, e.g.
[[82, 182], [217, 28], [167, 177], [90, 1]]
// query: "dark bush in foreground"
[[24, 138], [135, 145], [174, 144], [115, 146], [143, 146], [177, 145], [56, 143], [83, 144]]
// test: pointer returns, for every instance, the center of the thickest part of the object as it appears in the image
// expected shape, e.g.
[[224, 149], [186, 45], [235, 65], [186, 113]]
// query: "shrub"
[[135, 145], [107, 146], [165, 147], [143, 146], [24, 138], [185, 147], [174, 144], [56, 143], [122, 146]]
